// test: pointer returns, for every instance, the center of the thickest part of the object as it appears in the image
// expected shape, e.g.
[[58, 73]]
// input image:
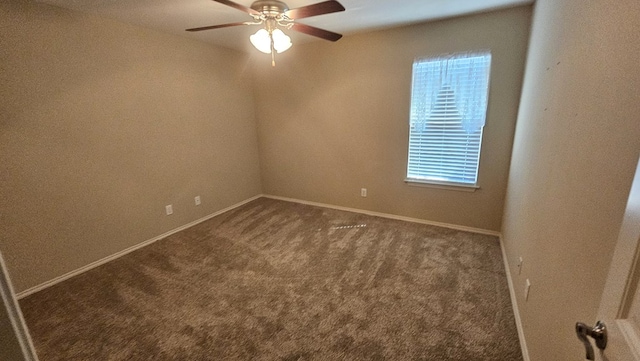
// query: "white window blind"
[[448, 111]]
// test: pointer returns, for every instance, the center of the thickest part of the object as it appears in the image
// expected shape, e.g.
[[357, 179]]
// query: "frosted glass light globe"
[[262, 41]]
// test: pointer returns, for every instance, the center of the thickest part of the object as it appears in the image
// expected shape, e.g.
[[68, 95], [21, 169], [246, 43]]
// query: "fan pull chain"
[[273, 51]]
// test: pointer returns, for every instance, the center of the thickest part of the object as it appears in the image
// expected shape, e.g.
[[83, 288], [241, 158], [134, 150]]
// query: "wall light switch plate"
[[197, 200], [363, 192], [527, 286], [169, 209]]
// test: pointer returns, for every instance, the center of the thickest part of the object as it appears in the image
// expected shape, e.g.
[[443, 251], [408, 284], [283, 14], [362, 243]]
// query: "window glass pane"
[[448, 111]]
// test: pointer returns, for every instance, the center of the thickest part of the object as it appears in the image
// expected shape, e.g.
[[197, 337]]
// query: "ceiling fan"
[[274, 14]]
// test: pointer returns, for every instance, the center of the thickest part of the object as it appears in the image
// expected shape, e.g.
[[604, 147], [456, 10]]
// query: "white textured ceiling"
[[174, 16]]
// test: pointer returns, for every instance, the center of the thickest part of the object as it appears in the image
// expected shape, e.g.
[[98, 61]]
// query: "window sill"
[[438, 185]]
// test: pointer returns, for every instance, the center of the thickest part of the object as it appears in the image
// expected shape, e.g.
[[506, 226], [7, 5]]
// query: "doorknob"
[[598, 333]]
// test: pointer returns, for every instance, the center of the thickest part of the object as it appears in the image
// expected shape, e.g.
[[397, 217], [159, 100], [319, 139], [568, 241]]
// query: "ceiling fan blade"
[[215, 27], [325, 7], [321, 33], [247, 10]]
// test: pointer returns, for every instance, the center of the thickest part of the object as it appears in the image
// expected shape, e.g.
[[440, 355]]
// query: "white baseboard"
[[390, 216], [523, 344], [119, 254], [514, 304]]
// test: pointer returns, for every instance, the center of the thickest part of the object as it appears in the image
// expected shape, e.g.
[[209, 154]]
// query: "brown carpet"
[[274, 280]]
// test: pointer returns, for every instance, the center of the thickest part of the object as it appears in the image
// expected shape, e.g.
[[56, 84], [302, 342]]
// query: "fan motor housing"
[[271, 8]]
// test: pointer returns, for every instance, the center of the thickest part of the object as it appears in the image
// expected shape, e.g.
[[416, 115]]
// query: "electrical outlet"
[[363, 192], [169, 209], [527, 286], [197, 200], [519, 265]]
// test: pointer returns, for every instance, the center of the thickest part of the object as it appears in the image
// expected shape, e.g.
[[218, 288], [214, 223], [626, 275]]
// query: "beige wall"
[[575, 151], [333, 118], [101, 125]]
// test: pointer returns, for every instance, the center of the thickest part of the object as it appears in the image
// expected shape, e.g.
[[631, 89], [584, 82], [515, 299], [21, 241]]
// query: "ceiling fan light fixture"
[[272, 14], [262, 41], [281, 42]]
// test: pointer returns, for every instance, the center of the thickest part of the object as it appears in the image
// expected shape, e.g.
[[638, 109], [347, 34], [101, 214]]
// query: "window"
[[448, 111]]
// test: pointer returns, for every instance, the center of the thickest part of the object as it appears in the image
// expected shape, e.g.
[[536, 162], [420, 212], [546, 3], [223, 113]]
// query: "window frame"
[[446, 184]]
